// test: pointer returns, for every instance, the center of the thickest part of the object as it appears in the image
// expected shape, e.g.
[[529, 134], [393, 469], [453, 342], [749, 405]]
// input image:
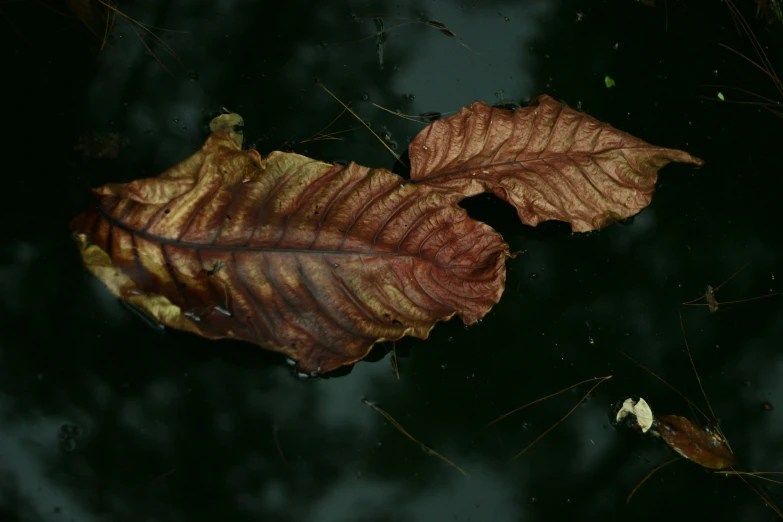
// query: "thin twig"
[[678, 392], [409, 436], [515, 457], [401, 115], [763, 497], [362, 122], [693, 365], [758, 474], [515, 410]]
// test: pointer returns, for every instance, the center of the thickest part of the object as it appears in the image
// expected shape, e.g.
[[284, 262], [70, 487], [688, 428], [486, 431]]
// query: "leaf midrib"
[[271, 250]]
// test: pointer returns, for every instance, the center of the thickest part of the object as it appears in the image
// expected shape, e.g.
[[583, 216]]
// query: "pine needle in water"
[[515, 410], [763, 497], [409, 436], [758, 474], [572, 410], [346, 107]]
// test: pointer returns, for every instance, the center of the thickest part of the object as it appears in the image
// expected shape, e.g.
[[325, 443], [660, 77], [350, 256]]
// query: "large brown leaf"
[[548, 160], [321, 261], [701, 446], [313, 260]]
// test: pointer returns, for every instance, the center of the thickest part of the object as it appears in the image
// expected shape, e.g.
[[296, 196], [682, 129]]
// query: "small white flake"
[[641, 410]]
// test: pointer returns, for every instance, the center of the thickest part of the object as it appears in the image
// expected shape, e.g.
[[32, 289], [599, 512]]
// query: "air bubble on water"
[[444, 366], [534, 275], [590, 338]]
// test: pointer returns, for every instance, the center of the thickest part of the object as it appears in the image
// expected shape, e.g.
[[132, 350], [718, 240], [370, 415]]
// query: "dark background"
[[102, 418]]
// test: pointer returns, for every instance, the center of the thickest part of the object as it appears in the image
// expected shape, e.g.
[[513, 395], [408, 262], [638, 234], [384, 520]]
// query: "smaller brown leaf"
[[549, 161], [703, 447]]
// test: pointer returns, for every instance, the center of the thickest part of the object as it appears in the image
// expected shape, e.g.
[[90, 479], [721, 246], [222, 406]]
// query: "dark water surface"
[[102, 418]]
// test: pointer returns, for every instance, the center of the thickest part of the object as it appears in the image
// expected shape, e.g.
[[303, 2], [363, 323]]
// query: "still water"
[[104, 418]]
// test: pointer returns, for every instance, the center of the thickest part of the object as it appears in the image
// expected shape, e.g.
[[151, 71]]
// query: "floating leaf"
[[698, 445], [312, 260], [320, 261], [547, 160]]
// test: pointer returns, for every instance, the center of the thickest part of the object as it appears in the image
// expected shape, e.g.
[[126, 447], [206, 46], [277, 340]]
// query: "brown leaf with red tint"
[[321, 261], [700, 446], [547, 160], [316, 261]]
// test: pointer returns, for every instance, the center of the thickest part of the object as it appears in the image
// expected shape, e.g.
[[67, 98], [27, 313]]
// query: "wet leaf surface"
[[315, 261], [696, 444]]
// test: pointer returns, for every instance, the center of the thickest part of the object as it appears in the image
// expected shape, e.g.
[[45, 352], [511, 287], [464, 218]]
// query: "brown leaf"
[[312, 260], [548, 160], [700, 446]]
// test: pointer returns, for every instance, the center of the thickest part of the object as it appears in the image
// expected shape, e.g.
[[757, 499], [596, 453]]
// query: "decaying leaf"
[[703, 447], [547, 160], [319, 261], [313, 260]]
